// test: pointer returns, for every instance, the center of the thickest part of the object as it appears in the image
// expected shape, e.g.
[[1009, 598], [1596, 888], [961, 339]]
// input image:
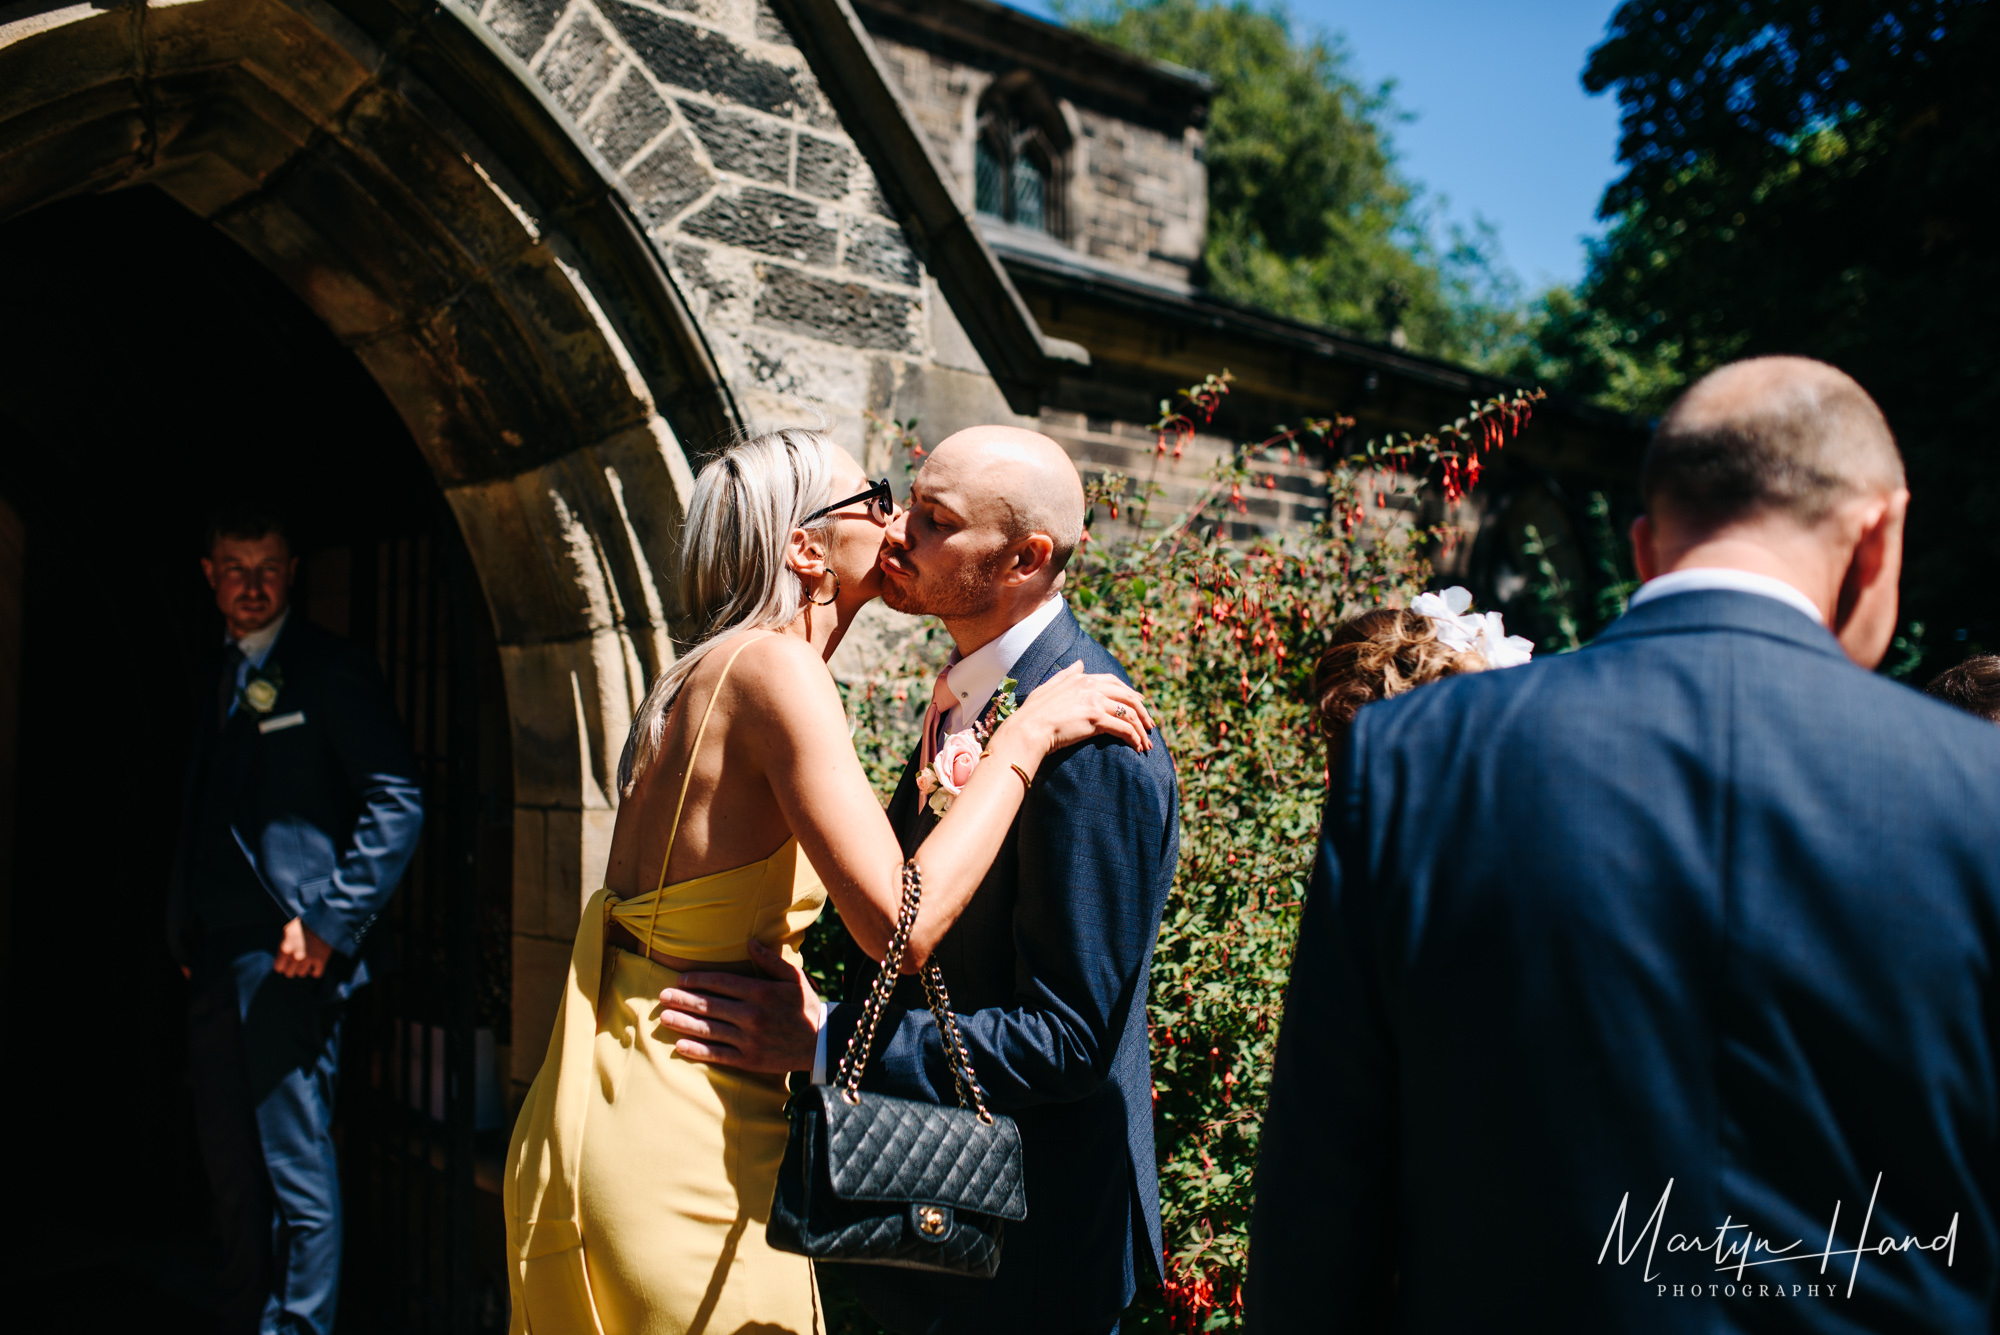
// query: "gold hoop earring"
[[830, 598]]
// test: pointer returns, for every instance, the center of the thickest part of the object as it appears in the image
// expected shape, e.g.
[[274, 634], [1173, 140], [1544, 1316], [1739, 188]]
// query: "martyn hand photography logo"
[[1738, 1250]]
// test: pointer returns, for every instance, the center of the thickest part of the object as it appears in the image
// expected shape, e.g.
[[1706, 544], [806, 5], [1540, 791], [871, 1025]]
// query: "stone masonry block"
[[530, 859], [563, 890], [541, 972], [502, 385], [752, 146], [594, 853], [768, 222], [851, 313], [533, 602], [317, 74], [669, 179], [522, 24], [771, 28], [403, 138], [580, 63], [629, 119], [869, 198], [878, 250], [824, 167], [546, 302], [690, 264], [797, 370], [544, 681], [703, 61]]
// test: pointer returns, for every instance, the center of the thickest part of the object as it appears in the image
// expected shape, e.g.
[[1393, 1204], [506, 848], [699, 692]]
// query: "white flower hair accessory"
[[1481, 633]]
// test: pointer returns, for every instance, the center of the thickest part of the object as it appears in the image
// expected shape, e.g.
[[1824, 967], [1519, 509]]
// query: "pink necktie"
[[942, 703]]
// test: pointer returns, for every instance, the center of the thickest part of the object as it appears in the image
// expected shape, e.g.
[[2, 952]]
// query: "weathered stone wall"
[[1142, 195], [1135, 196], [761, 207]]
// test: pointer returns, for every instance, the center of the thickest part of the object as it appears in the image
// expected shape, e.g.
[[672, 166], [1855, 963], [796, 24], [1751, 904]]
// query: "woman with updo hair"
[[1391, 650], [1973, 686], [1377, 655]]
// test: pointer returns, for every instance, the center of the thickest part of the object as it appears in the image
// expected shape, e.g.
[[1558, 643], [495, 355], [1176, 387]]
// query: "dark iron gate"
[[422, 1109]]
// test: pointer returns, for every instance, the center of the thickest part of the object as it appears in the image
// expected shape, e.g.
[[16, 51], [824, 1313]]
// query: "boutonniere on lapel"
[[259, 694], [960, 752]]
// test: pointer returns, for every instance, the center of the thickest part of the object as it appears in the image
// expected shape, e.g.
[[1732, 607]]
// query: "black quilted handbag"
[[875, 1180]]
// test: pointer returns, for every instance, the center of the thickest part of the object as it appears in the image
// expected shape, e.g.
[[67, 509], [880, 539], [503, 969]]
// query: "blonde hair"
[[1381, 654], [732, 575]]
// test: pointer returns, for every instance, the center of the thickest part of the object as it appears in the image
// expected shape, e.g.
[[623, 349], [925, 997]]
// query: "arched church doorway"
[[135, 399], [406, 183]]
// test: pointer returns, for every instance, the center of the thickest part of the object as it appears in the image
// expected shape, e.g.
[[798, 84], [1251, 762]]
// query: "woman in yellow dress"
[[638, 1182]]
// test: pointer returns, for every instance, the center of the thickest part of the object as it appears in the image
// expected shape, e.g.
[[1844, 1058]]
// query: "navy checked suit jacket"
[[1704, 904], [326, 812], [1047, 969]]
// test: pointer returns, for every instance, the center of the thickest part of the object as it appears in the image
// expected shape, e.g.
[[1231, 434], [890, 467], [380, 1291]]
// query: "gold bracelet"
[[1030, 783]]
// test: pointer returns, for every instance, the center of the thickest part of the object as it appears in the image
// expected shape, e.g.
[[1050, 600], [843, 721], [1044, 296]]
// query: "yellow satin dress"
[[638, 1183]]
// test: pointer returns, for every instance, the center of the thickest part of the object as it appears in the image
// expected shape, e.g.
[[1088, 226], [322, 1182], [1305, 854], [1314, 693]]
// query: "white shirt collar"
[[1697, 578], [975, 677], [256, 646]]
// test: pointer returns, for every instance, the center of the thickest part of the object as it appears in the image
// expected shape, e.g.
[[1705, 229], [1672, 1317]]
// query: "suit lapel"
[[904, 818], [1048, 655]]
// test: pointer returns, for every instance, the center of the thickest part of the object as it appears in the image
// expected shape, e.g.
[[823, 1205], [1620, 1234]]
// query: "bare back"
[[730, 818]]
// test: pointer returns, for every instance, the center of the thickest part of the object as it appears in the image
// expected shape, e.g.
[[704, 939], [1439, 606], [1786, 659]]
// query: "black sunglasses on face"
[[881, 503]]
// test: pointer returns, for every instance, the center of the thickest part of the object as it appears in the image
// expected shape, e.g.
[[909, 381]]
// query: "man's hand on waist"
[[301, 954], [766, 1024]]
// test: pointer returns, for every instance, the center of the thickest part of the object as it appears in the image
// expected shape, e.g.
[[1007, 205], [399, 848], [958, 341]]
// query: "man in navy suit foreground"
[[302, 809], [1653, 987], [1048, 964]]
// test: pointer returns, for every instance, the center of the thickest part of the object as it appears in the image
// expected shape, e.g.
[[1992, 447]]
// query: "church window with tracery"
[[1018, 155]]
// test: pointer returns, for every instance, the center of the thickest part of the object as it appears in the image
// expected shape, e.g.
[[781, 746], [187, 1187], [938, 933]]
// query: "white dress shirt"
[[973, 679], [1697, 578]]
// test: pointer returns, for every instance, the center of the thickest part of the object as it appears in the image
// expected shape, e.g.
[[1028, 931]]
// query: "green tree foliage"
[[1564, 341], [1308, 216], [1805, 177]]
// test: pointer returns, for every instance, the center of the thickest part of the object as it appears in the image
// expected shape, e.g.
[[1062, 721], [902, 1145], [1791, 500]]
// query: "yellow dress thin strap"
[[686, 779]]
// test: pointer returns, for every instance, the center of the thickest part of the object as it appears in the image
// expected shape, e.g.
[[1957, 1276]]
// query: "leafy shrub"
[[1222, 638]]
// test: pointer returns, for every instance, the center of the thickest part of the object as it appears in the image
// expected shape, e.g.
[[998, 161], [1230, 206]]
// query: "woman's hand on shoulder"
[[1074, 706]]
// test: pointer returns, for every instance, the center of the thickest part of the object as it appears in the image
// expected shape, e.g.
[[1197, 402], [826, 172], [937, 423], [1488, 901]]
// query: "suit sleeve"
[[1320, 1229], [1096, 850], [380, 771]]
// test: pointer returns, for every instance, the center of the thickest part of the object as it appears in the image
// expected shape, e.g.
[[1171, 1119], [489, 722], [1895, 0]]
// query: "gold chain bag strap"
[[877, 1180]]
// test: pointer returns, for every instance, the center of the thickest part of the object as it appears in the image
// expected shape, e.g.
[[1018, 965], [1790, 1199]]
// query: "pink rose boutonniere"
[[958, 755]]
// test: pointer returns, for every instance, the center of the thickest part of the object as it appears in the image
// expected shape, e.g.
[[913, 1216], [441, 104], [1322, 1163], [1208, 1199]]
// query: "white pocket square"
[[280, 723]]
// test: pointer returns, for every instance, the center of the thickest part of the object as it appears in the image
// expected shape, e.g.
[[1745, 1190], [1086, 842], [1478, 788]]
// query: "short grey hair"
[[732, 576]]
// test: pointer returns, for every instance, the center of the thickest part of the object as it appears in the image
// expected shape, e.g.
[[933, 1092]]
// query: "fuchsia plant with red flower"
[[1222, 638]]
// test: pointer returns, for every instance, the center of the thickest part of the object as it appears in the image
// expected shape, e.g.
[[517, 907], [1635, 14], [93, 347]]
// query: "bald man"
[[1653, 987], [1048, 963]]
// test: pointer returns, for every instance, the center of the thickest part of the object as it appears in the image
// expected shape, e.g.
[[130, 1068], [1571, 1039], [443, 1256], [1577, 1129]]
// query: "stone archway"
[[406, 178]]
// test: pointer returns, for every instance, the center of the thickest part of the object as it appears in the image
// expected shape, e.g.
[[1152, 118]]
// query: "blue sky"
[[1502, 128]]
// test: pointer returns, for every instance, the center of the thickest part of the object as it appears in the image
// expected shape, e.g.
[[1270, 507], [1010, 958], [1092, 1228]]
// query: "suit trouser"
[[262, 1051]]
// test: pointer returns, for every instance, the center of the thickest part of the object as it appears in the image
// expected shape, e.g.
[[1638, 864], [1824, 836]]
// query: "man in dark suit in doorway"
[[302, 809], [1651, 988]]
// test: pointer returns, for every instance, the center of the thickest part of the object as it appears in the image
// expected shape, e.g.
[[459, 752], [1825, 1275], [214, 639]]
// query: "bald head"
[[1781, 437], [1020, 481]]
